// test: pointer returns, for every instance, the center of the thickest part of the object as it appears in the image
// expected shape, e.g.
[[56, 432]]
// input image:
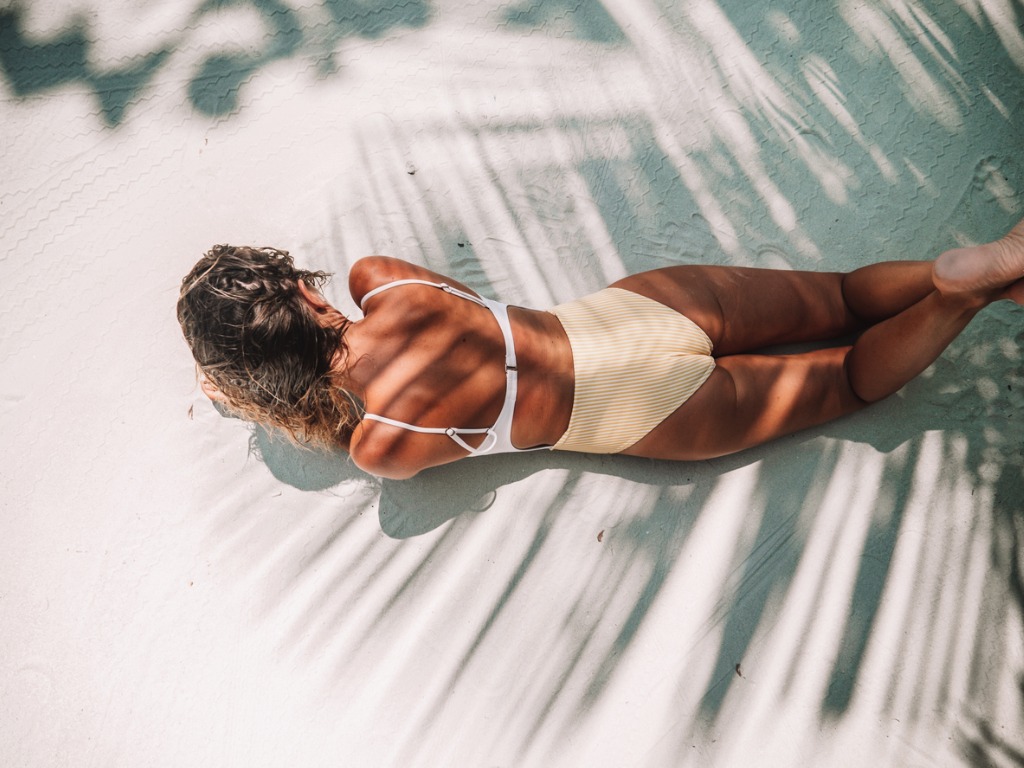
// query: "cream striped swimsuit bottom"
[[636, 361]]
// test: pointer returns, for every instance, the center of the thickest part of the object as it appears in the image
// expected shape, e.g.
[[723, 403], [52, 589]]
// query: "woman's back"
[[434, 358]]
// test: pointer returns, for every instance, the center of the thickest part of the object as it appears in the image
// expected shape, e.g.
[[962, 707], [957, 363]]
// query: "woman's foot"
[[995, 269]]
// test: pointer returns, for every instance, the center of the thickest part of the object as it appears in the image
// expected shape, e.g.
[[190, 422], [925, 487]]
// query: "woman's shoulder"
[[371, 272]]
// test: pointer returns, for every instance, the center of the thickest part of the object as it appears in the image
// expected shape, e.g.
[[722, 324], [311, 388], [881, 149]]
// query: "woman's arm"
[[396, 454]]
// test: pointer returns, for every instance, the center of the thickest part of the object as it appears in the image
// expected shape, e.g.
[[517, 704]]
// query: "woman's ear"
[[211, 391], [325, 313], [313, 298]]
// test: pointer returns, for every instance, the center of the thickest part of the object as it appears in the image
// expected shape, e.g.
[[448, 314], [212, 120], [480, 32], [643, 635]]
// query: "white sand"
[[178, 591]]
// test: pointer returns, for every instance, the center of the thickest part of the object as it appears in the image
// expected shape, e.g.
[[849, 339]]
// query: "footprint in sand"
[[992, 202], [992, 184]]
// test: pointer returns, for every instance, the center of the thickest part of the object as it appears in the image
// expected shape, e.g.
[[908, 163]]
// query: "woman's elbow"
[[383, 463]]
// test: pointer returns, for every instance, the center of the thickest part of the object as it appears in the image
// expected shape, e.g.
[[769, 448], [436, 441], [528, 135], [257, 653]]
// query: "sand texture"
[[178, 589]]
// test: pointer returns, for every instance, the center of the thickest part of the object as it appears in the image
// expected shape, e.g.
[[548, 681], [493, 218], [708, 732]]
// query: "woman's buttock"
[[636, 361]]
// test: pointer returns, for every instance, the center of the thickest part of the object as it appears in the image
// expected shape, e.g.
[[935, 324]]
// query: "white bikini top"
[[499, 436]]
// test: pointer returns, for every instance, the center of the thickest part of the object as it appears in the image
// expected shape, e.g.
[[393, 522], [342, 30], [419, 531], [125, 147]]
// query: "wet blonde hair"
[[258, 341]]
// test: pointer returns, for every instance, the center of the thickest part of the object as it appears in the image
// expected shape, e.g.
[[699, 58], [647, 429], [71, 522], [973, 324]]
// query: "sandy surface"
[[179, 590]]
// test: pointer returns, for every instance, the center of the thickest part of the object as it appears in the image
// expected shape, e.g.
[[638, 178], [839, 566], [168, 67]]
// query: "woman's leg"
[[744, 310], [750, 399], [891, 353], [880, 291]]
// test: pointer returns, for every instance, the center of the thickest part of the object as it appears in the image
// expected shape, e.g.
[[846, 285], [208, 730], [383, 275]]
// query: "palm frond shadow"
[[542, 209]]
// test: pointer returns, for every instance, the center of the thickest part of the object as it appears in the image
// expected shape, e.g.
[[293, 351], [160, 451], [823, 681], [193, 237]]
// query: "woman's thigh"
[[751, 399], [744, 309]]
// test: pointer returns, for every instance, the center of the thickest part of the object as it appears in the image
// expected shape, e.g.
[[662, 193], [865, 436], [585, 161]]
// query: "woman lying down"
[[662, 364]]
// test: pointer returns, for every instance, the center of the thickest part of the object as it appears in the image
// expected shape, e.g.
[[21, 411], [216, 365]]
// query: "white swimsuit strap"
[[452, 432], [412, 281], [500, 312]]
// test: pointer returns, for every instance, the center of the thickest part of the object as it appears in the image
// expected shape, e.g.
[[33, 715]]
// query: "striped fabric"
[[636, 361]]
